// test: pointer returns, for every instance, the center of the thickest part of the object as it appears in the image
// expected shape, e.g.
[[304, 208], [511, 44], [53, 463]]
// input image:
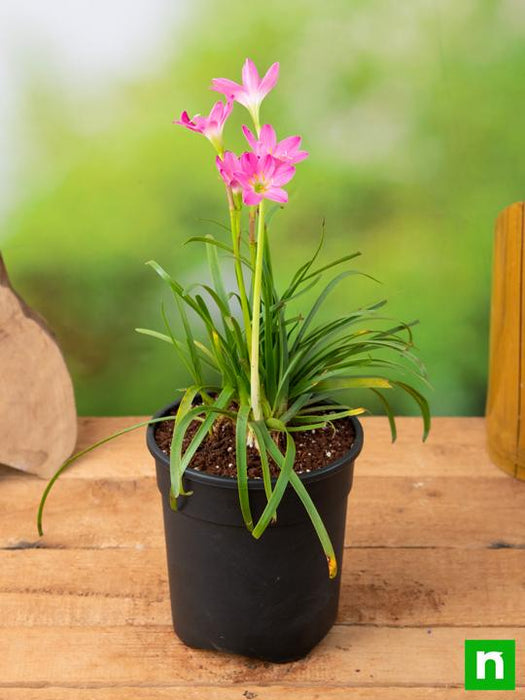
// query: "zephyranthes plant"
[[273, 373]]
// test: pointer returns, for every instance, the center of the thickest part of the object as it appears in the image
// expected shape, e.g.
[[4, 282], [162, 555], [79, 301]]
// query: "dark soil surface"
[[216, 455]]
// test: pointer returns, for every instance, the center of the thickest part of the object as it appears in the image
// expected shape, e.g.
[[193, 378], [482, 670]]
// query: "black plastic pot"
[[271, 598]]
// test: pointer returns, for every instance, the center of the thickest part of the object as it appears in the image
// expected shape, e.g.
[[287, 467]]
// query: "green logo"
[[490, 664]]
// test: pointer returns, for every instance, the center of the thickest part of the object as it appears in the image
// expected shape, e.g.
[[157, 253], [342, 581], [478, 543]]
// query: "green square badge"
[[490, 664]]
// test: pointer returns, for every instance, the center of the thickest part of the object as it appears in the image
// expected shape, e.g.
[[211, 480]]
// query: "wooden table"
[[436, 554]]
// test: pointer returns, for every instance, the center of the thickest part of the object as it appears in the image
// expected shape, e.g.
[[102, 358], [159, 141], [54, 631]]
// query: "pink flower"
[[252, 91], [262, 178], [228, 166], [211, 126], [286, 150]]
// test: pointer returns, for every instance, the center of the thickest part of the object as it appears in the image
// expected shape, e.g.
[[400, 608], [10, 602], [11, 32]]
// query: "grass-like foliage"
[[256, 362], [302, 365]]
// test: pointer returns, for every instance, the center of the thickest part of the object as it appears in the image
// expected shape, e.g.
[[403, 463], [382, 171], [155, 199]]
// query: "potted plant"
[[255, 460]]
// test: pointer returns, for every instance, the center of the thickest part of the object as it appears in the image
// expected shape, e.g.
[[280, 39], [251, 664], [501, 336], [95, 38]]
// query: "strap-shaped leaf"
[[337, 383], [285, 463], [390, 414], [241, 433], [183, 409], [319, 301], [317, 522], [215, 269], [265, 466], [217, 244], [329, 416], [81, 453], [421, 402], [178, 463], [329, 266]]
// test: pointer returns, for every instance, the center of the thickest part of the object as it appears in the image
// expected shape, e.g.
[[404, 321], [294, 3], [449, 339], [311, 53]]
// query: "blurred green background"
[[413, 116]]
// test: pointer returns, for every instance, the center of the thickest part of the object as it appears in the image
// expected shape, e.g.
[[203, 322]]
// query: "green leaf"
[[285, 463], [184, 407], [156, 334], [317, 522], [327, 417], [319, 301], [265, 466], [337, 383], [295, 408], [301, 272], [390, 414], [213, 262], [219, 224], [83, 452], [422, 403], [339, 261], [196, 369], [218, 244], [178, 462], [241, 433]]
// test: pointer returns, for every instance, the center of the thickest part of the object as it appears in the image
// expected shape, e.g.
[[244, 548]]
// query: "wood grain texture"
[[383, 512], [244, 691], [38, 422], [506, 387], [453, 449], [396, 587], [435, 554], [355, 656]]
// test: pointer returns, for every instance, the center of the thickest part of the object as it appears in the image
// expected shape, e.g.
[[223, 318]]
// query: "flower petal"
[[290, 143], [269, 80], [250, 197], [250, 76], [268, 139], [267, 165], [252, 141], [227, 87], [299, 156], [249, 163], [276, 194], [231, 161], [184, 119], [227, 109], [216, 112], [222, 170], [283, 173]]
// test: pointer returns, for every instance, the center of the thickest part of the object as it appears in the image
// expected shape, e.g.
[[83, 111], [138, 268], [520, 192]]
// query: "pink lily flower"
[[262, 178], [211, 126], [252, 91], [286, 150], [228, 166]]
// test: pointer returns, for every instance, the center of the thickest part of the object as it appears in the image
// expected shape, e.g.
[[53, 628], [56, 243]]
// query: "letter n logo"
[[490, 664]]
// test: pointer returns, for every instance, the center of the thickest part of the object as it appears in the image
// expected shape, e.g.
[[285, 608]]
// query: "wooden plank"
[[355, 656], [506, 389], [416, 587], [416, 511], [456, 447], [244, 692], [436, 512]]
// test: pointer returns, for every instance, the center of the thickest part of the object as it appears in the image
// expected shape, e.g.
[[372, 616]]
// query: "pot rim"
[[229, 482]]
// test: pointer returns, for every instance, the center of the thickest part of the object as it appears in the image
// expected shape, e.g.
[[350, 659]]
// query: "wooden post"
[[38, 422], [506, 389]]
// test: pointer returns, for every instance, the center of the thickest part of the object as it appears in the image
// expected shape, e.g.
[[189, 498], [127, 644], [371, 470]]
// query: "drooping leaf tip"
[[332, 566]]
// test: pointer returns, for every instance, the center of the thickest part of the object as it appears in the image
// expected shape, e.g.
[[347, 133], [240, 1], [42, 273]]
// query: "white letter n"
[[481, 662]]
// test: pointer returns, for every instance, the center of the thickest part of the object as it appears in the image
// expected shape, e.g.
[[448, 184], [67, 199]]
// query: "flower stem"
[[255, 382], [256, 121], [251, 235], [235, 220]]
